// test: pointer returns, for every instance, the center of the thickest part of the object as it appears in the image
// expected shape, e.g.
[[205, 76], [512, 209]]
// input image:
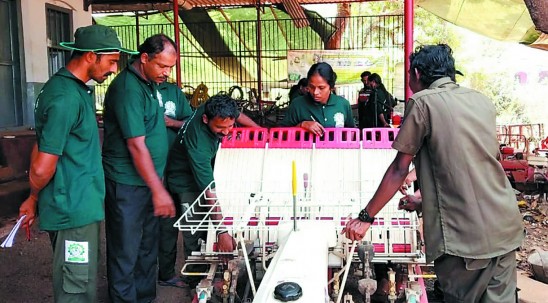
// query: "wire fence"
[[225, 54]]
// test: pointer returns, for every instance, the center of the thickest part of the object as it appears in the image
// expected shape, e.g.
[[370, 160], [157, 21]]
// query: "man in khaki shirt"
[[472, 224]]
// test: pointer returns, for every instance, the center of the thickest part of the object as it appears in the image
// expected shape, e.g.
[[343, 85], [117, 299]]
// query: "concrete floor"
[[25, 271]]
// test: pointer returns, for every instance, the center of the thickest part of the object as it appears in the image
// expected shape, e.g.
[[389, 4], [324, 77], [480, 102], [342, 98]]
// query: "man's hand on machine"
[[225, 242], [355, 229]]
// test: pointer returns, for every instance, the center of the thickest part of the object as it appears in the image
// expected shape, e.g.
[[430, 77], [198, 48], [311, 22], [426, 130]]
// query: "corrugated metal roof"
[[295, 10], [207, 3], [129, 5]]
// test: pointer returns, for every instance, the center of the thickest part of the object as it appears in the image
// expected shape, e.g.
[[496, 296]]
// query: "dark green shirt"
[[369, 111], [132, 109], [190, 164], [336, 113], [469, 207], [176, 106], [66, 126]]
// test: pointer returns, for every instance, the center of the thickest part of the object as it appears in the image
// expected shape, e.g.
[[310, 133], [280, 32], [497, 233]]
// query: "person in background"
[[298, 89], [320, 107], [372, 104], [66, 175], [364, 77], [363, 96], [134, 156], [383, 96], [472, 225]]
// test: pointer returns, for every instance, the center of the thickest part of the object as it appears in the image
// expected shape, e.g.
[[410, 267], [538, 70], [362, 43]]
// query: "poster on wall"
[[347, 64]]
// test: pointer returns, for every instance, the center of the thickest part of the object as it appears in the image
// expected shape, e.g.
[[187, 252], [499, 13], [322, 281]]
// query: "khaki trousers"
[[468, 280]]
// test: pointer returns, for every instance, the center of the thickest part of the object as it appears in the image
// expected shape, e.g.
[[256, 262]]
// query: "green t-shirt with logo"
[[190, 163], [176, 106], [132, 109], [66, 126], [335, 113]]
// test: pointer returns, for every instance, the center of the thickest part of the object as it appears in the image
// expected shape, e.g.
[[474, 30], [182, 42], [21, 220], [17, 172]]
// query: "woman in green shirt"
[[320, 107]]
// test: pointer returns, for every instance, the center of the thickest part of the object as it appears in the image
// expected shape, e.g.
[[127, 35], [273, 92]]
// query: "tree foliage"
[[428, 28], [499, 86], [501, 89]]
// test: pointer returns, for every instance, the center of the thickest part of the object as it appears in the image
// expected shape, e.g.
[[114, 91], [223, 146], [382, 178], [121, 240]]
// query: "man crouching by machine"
[[472, 224], [189, 167]]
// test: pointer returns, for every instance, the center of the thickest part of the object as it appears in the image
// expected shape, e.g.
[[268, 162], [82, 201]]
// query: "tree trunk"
[[343, 12]]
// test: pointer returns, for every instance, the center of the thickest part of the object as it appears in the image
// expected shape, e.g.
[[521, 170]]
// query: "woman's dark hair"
[[325, 71], [375, 78], [294, 90], [433, 62], [154, 45], [222, 106]]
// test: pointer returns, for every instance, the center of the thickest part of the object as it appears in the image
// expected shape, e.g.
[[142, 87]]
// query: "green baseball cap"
[[96, 38]]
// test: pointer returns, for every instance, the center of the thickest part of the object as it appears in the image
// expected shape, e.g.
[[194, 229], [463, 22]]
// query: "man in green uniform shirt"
[[134, 156], [191, 157], [66, 176], [472, 224], [168, 236]]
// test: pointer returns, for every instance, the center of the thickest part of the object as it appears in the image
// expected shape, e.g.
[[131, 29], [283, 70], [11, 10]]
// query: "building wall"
[[33, 21], [34, 33]]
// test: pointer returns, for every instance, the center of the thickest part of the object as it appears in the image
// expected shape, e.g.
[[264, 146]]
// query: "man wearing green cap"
[[66, 175], [134, 156]]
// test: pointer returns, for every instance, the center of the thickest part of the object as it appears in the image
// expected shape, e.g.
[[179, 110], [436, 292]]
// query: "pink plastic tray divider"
[[290, 137], [295, 137], [246, 137], [378, 138], [345, 138]]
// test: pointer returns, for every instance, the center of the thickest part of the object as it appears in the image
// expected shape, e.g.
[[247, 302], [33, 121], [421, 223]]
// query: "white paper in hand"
[[9, 239]]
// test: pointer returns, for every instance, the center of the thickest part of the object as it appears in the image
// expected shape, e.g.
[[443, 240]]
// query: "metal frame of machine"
[[267, 215]]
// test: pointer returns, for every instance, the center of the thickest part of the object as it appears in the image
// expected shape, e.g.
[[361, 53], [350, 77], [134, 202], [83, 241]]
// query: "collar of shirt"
[[197, 121], [164, 85], [63, 72], [134, 71], [331, 101], [441, 81]]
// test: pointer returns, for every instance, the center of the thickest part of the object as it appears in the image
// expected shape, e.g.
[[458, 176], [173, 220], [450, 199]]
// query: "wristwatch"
[[365, 217]]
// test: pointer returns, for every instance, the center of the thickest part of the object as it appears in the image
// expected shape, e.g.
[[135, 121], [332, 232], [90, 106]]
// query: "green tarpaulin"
[[505, 20]]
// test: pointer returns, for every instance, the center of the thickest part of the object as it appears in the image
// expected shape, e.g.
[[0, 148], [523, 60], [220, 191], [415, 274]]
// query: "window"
[[58, 29]]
